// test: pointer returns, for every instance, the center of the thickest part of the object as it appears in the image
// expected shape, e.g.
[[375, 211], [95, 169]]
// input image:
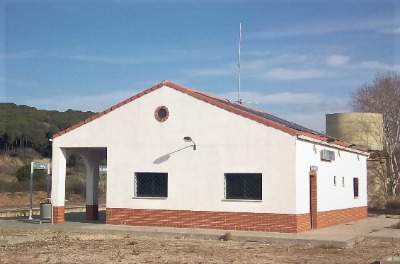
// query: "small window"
[[151, 184], [334, 180], [245, 186], [355, 187], [161, 113], [342, 181]]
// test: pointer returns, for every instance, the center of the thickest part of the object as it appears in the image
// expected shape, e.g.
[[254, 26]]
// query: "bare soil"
[[60, 247], [21, 199]]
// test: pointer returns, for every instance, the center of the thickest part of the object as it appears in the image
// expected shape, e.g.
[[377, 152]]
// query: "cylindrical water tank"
[[362, 129]]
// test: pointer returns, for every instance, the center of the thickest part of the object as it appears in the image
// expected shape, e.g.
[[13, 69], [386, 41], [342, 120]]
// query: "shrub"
[[6, 186], [393, 204], [24, 173], [75, 184]]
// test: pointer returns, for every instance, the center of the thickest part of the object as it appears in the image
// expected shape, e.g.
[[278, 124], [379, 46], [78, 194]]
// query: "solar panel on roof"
[[269, 117]]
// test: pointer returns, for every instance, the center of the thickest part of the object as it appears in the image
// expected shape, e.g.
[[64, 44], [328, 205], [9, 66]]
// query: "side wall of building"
[[337, 200]]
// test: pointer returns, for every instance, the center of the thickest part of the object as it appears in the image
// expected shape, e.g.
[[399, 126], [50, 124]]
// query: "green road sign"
[[40, 166]]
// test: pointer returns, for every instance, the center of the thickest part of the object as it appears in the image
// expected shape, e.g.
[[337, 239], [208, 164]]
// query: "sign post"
[[37, 166]]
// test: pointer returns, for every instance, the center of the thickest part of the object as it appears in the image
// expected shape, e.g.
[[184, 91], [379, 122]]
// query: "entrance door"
[[313, 200]]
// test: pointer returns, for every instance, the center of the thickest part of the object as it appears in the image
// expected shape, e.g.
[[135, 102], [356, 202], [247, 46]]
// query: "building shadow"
[[80, 217]]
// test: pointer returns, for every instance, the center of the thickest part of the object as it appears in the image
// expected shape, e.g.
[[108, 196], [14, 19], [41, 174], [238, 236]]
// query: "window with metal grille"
[[243, 186], [151, 184], [355, 187]]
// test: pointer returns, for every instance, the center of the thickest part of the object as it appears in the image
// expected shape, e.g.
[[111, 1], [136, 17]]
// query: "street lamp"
[[189, 139]]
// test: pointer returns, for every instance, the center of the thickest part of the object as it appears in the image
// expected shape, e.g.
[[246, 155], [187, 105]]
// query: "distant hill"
[[23, 126]]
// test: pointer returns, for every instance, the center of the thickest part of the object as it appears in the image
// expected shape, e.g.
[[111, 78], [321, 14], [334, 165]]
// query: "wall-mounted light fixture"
[[189, 139]]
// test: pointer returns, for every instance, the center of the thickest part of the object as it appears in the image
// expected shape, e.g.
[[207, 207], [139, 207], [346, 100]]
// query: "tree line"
[[23, 126]]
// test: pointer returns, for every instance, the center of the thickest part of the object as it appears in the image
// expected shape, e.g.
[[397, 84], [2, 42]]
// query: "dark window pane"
[[243, 186], [152, 184], [355, 187], [162, 113]]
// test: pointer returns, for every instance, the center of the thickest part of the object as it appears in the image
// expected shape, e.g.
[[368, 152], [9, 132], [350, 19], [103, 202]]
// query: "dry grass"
[[61, 247], [396, 226]]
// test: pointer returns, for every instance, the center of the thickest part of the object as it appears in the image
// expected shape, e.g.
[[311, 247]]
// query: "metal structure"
[[240, 41], [38, 166]]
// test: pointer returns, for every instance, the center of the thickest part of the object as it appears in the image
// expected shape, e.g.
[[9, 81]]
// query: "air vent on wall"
[[327, 155]]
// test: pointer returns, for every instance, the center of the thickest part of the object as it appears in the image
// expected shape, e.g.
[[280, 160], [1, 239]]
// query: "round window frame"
[[157, 111]]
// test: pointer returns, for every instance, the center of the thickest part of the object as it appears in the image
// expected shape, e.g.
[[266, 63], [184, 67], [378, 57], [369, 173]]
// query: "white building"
[[180, 158]]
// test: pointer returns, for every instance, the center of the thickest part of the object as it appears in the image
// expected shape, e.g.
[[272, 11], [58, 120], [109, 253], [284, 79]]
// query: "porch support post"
[[58, 183], [92, 160]]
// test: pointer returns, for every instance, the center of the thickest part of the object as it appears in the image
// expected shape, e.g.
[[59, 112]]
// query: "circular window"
[[161, 114]]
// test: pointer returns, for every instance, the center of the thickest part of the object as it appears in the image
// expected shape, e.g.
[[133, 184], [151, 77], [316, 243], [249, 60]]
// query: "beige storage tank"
[[362, 129]]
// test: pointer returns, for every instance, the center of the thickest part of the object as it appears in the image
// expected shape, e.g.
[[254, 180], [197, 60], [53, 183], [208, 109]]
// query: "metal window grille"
[[243, 186], [355, 187], [151, 184]]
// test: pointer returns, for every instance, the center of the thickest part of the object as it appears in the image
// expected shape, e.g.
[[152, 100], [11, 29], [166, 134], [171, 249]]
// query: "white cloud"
[[95, 102], [327, 26], [306, 109], [12, 83], [312, 113], [20, 55], [103, 59], [337, 60], [290, 74], [376, 65], [225, 70], [274, 99], [390, 30]]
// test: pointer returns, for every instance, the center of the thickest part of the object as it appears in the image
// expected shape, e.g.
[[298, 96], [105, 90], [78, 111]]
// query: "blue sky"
[[300, 59]]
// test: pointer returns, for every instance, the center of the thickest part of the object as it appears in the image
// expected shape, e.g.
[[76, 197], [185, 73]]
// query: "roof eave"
[[343, 146]]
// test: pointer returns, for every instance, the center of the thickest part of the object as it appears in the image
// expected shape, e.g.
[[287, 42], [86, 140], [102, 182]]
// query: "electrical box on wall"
[[327, 155]]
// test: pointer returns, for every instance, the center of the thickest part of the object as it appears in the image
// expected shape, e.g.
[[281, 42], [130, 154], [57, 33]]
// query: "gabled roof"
[[234, 107]]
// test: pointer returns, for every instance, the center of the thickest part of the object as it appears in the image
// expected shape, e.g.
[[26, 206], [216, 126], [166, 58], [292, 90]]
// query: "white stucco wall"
[[330, 196], [225, 142]]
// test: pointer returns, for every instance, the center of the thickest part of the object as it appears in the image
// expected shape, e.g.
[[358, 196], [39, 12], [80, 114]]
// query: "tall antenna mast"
[[240, 40]]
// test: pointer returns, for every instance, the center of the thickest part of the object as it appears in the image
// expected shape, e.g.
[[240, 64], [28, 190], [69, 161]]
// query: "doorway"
[[313, 200]]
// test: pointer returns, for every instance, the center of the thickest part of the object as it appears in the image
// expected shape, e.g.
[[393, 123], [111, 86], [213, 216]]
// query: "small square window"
[[355, 187], [245, 186], [151, 184]]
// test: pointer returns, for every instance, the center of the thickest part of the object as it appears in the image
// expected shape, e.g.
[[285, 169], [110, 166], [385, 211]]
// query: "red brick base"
[[336, 217], [58, 214], [285, 223], [92, 212]]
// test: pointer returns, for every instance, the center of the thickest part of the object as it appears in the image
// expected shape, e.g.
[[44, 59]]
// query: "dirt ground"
[[21, 199], [60, 247]]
